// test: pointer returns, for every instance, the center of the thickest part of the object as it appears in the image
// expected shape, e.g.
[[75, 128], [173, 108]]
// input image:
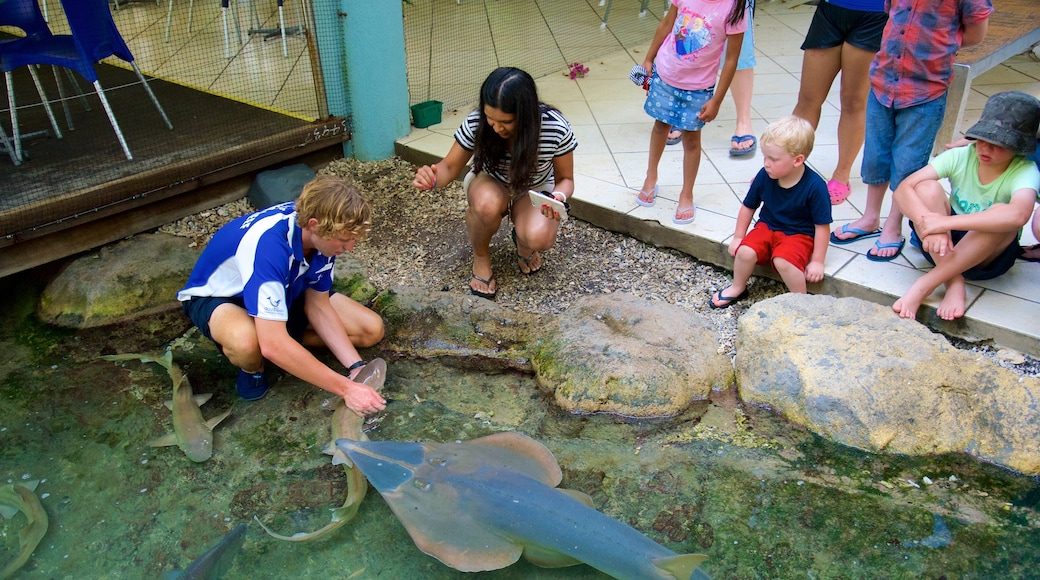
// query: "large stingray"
[[345, 424], [478, 505], [192, 433]]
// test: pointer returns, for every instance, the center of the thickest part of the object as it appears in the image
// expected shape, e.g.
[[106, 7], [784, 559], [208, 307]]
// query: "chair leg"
[[7, 145], [46, 103], [281, 24], [61, 95], [169, 20], [112, 119], [155, 101], [227, 41], [79, 89], [17, 136]]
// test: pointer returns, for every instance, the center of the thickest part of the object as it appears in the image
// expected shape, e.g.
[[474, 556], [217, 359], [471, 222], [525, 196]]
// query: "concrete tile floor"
[[614, 132]]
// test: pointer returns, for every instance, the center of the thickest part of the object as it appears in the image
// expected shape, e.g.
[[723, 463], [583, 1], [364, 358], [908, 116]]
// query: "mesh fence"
[[453, 45], [237, 81], [231, 85]]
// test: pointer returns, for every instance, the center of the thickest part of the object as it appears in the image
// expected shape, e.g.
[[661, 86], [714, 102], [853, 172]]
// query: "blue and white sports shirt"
[[259, 258]]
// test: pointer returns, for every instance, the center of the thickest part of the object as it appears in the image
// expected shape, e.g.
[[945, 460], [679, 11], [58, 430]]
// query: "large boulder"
[[136, 277], [618, 353], [856, 373]]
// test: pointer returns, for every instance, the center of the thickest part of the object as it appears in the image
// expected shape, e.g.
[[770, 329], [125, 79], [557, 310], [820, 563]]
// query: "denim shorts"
[[998, 266], [899, 141], [747, 48], [676, 107], [833, 26]]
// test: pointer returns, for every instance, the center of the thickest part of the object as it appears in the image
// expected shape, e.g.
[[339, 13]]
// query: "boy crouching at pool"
[[793, 228], [973, 233]]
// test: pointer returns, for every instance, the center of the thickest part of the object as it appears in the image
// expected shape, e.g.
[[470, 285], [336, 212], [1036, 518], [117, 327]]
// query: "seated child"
[[973, 233], [793, 229]]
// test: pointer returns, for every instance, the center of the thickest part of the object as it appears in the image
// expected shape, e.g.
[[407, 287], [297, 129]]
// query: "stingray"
[[481, 504]]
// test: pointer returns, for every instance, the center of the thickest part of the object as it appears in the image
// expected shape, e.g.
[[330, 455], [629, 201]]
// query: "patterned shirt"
[[689, 57], [915, 63], [259, 258], [556, 140]]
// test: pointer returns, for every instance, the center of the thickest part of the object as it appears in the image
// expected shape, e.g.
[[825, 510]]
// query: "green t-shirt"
[[967, 195]]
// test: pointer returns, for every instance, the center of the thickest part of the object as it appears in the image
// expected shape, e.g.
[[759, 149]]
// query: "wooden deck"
[[79, 192]]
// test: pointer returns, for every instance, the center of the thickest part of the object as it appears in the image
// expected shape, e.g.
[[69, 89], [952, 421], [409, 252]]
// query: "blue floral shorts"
[[676, 107]]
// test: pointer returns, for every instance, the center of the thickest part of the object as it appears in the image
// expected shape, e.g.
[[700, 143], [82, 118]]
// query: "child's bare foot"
[[906, 307], [953, 303]]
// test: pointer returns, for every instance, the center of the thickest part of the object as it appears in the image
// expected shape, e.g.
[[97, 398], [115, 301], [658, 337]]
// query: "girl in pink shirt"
[[684, 58]]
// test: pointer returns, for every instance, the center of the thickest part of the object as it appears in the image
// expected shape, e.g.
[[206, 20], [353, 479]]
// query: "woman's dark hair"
[[737, 13], [513, 92]]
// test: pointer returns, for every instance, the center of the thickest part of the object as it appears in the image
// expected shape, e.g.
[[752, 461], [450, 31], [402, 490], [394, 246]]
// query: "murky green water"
[[762, 498]]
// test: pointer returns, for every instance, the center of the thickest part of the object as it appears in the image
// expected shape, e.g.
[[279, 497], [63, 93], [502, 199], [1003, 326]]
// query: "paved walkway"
[[606, 111]]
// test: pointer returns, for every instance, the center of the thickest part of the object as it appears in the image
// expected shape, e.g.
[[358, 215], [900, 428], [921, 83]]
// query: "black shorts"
[[998, 266], [833, 26], [200, 309]]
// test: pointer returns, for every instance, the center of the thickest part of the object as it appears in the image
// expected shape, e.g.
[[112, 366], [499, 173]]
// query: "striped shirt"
[[915, 63], [556, 140], [259, 258]]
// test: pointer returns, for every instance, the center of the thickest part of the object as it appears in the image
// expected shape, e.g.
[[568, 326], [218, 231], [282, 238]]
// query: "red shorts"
[[769, 245]]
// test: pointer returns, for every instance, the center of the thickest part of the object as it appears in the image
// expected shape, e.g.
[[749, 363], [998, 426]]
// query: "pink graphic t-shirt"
[[690, 56]]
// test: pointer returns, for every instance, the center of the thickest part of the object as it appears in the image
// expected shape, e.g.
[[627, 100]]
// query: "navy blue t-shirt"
[[797, 210]]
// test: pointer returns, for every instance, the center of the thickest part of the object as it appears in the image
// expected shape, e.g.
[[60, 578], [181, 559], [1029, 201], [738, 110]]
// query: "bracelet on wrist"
[[356, 365], [562, 194]]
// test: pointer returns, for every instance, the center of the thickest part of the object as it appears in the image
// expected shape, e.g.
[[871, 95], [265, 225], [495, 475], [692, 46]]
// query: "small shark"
[[345, 424], [19, 497], [192, 433], [478, 505], [216, 561]]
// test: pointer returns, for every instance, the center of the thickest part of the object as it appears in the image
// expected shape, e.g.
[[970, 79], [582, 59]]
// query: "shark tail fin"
[[680, 567]]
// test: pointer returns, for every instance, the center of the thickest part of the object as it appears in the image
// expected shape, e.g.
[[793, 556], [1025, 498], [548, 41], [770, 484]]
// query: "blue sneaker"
[[251, 387]]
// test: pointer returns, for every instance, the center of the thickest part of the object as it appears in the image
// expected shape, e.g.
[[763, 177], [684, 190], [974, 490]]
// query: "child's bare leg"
[[743, 265], [793, 277], [871, 218], [974, 248], [658, 137], [691, 165]]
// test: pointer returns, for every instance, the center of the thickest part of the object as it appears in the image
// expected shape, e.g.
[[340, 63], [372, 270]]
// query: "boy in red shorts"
[[793, 228]]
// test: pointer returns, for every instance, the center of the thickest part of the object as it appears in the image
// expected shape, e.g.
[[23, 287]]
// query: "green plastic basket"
[[426, 113]]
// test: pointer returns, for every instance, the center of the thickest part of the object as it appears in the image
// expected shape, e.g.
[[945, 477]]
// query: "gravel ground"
[[419, 239]]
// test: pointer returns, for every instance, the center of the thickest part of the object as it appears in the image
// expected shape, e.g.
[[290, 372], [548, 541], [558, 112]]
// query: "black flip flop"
[[487, 295], [730, 300]]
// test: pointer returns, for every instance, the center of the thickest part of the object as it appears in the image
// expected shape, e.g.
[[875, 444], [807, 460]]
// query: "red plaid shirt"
[[921, 38]]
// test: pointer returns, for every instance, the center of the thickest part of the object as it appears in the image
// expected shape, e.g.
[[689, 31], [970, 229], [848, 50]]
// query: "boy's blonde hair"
[[794, 134], [336, 204]]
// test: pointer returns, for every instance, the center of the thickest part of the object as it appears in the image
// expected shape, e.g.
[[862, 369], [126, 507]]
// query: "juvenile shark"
[[192, 433], [478, 505], [345, 424], [213, 564], [19, 497]]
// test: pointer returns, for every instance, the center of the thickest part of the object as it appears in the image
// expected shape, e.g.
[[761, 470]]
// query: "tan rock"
[[619, 353], [856, 373]]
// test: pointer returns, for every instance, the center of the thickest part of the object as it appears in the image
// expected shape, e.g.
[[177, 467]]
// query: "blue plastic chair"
[[94, 37], [24, 15]]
